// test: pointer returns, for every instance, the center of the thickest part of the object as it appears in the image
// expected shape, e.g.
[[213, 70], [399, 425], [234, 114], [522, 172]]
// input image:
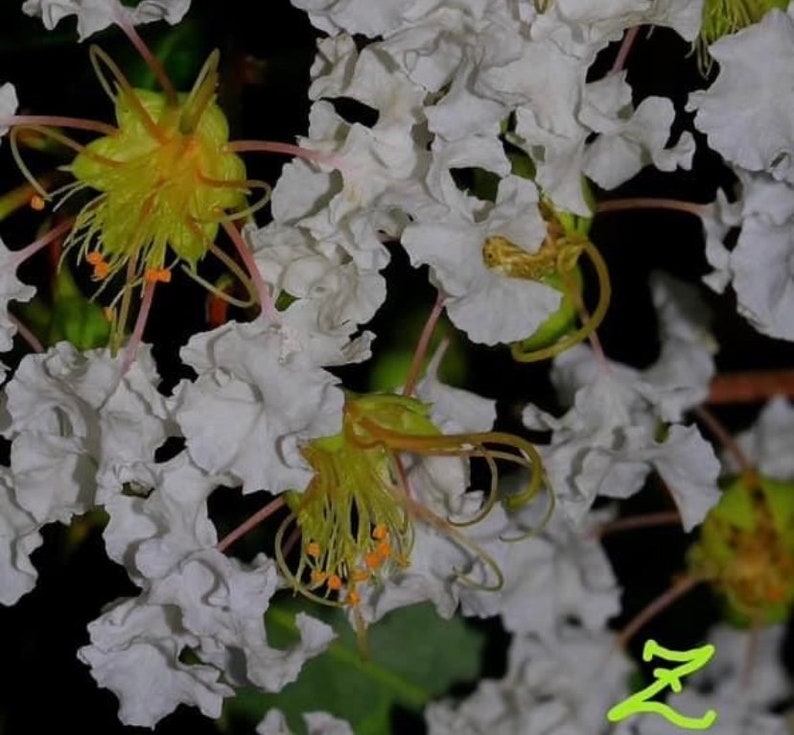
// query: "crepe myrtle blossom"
[[490, 307], [759, 266], [747, 112], [625, 422], [96, 15], [564, 685], [317, 723]]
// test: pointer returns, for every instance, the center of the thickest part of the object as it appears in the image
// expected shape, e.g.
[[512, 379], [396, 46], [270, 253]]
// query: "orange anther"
[[359, 575], [153, 275], [353, 598], [384, 550], [373, 560], [317, 576], [334, 582], [37, 202], [101, 270], [95, 257], [313, 549], [380, 532]]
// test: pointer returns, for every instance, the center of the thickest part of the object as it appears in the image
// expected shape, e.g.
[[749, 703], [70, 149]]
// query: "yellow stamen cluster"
[[356, 517], [165, 181]]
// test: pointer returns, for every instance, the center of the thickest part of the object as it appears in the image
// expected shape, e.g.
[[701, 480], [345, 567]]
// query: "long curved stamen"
[[201, 95], [57, 121], [151, 60], [288, 149], [20, 256], [63, 139], [492, 496], [97, 55], [547, 516], [242, 185], [676, 205], [590, 325]]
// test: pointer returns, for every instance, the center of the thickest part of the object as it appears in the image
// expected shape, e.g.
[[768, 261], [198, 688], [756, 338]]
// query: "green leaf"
[[415, 657]]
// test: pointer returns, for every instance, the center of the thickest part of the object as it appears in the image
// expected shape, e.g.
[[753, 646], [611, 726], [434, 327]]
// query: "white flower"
[[317, 723], [11, 289], [8, 104], [557, 573], [609, 440], [74, 420], [748, 112], [135, 652], [761, 265], [354, 16], [211, 605], [256, 400], [96, 15], [490, 307], [564, 686], [767, 443], [19, 537]]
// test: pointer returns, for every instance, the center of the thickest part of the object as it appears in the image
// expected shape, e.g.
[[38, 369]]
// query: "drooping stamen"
[[57, 121], [242, 185], [588, 327]]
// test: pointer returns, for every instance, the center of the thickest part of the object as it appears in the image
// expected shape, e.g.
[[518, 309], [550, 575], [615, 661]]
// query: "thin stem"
[[625, 48], [77, 123], [677, 205], [116, 338], [647, 520], [676, 590], [751, 654], [424, 343], [753, 386], [257, 518], [288, 149], [262, 291], [724, 437], [140, 324], [20, 256], [26, 334], [123, 22]]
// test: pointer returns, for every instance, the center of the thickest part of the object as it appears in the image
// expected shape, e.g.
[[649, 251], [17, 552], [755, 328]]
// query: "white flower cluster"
[[455, 86]]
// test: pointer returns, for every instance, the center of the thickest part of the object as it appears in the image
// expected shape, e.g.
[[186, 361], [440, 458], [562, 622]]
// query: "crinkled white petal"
[[615, 156], [558, 573], [767, 443], [74, 420], [96, 15], [19, 537], [317, 723], [150, 531], [564, 687], [8, 105], [354, 16], [748, 112], [135, 652], [256, 400], [222, 603], [11, 288]]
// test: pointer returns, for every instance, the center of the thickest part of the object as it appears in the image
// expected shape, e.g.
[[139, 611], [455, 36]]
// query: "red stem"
[[251, 523], [648, 520], [677, 205], [20, 256], [59, 122], [26, 334], [424, 343], [288, 149], [625, 48], [754, 386], [724, 437], [140, 324], [263, 292]]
